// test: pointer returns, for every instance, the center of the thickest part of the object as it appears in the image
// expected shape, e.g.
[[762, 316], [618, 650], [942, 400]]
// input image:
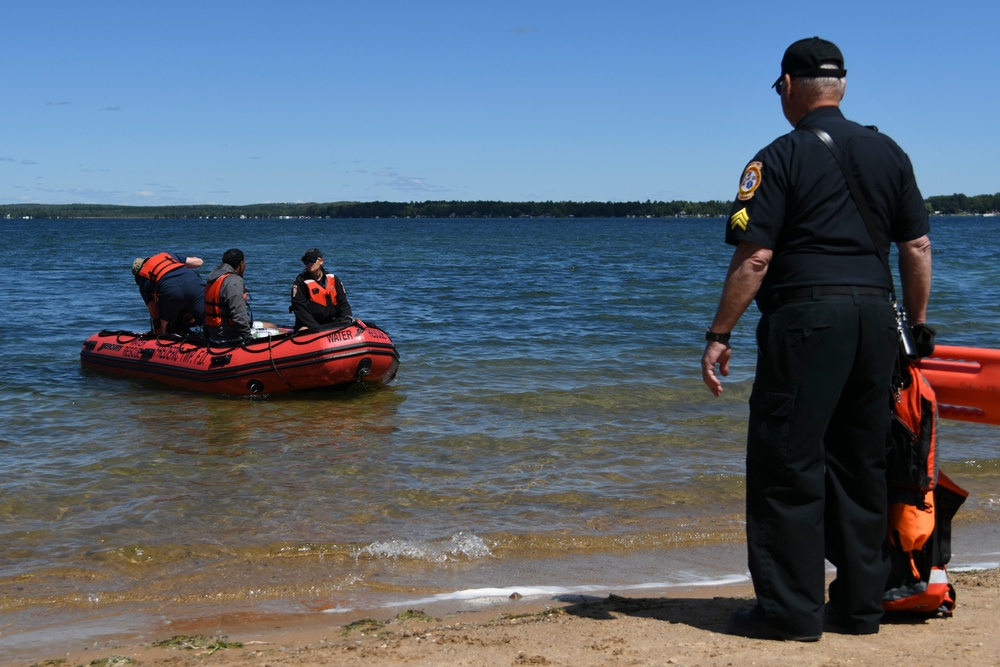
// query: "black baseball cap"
[[312, 255], [804, 58]]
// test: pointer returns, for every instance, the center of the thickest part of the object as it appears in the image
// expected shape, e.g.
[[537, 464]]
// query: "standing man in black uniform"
[[826, 342]]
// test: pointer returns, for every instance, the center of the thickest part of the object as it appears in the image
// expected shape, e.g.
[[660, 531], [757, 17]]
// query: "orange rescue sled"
[[966, 381]]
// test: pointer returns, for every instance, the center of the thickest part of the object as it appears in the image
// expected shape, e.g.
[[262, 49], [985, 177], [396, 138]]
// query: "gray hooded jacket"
[[236, 324]]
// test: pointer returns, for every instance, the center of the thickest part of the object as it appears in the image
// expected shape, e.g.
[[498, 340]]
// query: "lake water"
[[548, 430]]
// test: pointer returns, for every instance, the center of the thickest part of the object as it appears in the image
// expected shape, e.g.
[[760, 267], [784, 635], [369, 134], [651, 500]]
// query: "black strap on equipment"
[[859, 199], [908, 347]]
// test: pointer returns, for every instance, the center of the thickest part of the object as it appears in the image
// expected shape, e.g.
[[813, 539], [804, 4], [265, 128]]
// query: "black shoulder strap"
[[859, 199]]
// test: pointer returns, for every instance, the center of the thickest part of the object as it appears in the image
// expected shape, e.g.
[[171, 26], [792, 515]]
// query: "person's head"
[[137, 265], [812, 76], [234, 258], [313, 260]]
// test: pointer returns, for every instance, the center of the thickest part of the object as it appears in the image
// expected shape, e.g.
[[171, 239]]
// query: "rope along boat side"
[[274, 364]]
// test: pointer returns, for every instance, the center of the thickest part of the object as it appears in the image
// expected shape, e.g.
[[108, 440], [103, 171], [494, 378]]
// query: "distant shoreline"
[[371, 210], [952, 205]]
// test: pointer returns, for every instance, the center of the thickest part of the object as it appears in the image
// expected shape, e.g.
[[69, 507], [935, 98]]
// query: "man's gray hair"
[[822, 87]]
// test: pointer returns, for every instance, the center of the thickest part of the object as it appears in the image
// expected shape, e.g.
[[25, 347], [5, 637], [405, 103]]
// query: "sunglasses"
[[309, 262], [779, 85]]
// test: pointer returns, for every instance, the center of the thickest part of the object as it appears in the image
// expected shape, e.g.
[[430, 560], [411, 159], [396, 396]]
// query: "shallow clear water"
[[548, 418]]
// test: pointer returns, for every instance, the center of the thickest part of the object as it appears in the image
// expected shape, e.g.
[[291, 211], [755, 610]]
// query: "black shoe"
[[749, 623], [841, 625]]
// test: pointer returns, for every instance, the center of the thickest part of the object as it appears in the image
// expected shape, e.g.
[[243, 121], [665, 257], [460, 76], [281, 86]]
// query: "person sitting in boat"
[[227, 313], [318, 298], [174, 293]]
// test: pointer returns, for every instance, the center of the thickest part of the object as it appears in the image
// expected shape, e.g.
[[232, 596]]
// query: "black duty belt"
[[790, 293]]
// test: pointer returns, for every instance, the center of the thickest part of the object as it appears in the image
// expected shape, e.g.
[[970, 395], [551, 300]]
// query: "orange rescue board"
[[966, 381]]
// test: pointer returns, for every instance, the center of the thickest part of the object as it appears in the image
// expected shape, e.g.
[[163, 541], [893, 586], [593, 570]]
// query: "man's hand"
[[715, 353]]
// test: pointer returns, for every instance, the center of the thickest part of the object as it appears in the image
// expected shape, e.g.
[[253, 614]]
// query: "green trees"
[[380, 209], [957, 204]]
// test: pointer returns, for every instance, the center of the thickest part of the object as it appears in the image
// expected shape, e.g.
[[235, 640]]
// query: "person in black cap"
[[826, 343], [318, 298], [227, 311]]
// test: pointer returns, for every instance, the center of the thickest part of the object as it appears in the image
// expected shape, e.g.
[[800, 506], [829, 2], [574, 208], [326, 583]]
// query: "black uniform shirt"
[[793, 199]]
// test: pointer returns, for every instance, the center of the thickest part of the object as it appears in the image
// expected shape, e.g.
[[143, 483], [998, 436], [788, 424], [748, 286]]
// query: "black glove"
[[923, 336]]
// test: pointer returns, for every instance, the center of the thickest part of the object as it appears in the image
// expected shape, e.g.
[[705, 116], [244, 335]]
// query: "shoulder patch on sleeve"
[[750, 181], [739, 220]]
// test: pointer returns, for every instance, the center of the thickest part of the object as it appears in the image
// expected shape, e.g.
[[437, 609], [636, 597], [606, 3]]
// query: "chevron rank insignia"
[[739, 220]]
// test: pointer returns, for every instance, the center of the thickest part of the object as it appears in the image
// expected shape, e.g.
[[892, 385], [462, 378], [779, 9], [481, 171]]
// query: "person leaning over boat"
[[174, 293], [318, 297], [826, 342], [227, 314]]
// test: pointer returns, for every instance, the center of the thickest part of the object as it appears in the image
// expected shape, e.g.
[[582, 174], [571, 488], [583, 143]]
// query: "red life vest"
[[324, 296], [213, 302], [158, 266]]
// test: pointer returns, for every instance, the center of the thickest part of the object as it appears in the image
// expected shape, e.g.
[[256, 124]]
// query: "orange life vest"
[[213, 302], [324, 296], [922, 503], [158, 266]]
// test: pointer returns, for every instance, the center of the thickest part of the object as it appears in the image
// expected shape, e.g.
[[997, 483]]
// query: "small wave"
[[461, 546], [486, 597], [975, 567], [486, 594]]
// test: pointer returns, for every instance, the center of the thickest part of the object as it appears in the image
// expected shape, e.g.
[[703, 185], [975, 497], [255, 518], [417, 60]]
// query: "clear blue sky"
[[214, 101]]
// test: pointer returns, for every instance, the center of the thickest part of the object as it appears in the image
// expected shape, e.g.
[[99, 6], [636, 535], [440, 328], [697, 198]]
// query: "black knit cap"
[[804, 57]]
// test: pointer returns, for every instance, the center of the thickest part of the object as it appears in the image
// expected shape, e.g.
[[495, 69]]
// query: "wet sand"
[[676, 627]]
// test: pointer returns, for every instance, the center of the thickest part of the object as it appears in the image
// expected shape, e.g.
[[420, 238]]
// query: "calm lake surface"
[[548, 429]]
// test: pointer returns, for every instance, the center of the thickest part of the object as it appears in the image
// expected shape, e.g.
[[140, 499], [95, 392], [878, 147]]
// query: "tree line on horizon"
[[956, 204]]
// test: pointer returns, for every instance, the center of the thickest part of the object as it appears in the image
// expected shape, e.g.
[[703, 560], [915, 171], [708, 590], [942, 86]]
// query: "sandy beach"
[[679, 627]]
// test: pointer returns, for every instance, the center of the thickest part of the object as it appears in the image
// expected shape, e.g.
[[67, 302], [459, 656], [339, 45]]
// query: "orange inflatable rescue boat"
[[966, 381], [275, 363]]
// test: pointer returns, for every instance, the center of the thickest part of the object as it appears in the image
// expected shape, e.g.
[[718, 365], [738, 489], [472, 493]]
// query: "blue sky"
[[182, 102]]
